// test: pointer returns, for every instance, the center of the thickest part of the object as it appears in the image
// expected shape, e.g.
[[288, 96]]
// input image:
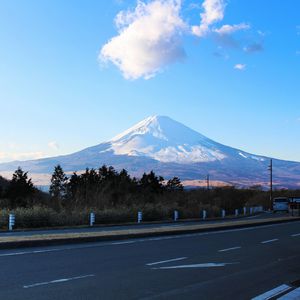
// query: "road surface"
[[231, 264]]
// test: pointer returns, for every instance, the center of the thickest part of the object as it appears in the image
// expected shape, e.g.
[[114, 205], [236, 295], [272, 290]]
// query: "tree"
[[174, 184], [20, 189], [151, 183], [58, 187]]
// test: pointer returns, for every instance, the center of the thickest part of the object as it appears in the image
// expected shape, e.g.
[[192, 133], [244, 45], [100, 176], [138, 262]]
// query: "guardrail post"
[[245, 210], [176, 215], [236, 212], [92, 218], [204, 214], [140, 217], [251, 210], [11, 221], [223, 213]]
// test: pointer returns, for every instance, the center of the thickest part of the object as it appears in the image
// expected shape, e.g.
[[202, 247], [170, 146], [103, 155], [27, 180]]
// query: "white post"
[[92, 218], [223, 213], [204, 214], [140, 217], [236, 212], [175, 215], [251, 210], [245, 210], [11, 221]]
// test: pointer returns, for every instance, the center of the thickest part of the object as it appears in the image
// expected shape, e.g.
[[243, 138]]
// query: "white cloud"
[[230, 29], [240, 67], [8, 156], [149, 39], [53, 145], [213, 13]]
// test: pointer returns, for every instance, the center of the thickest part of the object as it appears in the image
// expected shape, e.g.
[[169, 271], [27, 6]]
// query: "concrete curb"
[[70, 238]]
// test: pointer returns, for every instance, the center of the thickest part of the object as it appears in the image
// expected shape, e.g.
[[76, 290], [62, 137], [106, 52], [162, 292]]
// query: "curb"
[[56, 241]]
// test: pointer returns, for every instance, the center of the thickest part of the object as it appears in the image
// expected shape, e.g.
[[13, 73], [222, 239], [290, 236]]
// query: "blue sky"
[[230, 70]]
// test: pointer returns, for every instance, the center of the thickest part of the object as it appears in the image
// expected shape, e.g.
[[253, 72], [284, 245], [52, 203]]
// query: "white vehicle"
[[281, 204]]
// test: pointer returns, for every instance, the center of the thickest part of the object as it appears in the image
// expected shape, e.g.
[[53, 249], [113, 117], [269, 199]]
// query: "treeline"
[[102, 188], [106, 189]]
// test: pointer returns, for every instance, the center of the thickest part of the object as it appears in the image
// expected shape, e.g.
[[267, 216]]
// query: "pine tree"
[[58, 187], [151, 183], [20, 189], [174, 184]]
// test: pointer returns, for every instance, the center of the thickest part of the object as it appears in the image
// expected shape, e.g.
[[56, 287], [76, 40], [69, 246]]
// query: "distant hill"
[[170, 149]]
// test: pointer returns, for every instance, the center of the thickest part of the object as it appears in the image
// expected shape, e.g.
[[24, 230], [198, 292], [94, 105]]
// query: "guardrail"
[[203, 215]]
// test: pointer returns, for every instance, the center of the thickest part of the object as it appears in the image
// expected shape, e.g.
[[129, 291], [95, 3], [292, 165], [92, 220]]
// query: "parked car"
[[281, 204]]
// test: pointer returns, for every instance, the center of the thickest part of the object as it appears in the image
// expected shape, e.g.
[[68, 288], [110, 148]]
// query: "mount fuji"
[[170, 149]]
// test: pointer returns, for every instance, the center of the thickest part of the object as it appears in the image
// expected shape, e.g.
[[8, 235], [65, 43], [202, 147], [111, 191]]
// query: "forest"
[[115, 197]]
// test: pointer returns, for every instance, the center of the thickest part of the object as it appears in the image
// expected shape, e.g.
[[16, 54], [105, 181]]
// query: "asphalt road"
[[231, 264], [135, 226]]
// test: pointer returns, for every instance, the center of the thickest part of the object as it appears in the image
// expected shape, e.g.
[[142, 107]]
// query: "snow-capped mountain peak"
[[166, 140]]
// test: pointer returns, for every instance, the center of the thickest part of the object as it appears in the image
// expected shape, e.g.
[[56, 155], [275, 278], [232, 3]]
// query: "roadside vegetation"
[[116, 197]]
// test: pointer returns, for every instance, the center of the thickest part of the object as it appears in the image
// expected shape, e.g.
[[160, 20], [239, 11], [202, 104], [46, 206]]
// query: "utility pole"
[[207, 181], [271, 182]]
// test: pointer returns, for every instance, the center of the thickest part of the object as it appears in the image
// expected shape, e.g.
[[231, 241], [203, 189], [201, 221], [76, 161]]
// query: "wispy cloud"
[[149, 38], [298, 29], [253, 48], [53, 145], [240, 67], [230, 29]]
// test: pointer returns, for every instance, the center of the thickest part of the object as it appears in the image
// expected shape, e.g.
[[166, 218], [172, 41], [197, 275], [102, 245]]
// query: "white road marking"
[[166, 261], [230, 249], [206, 265], [269, 241], [293, 295], [123, 243], [179, 236], [296, 234], [29, 252], [57, 281], [272, 293]]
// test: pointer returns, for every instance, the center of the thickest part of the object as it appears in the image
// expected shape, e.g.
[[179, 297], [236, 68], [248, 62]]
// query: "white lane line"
[[272, 293], [57, 281], [269, 241], [296, 234], [293, 295], [181, 236], [123, 243], [230, 249], [206, 265], [165, 261], [29, 252]]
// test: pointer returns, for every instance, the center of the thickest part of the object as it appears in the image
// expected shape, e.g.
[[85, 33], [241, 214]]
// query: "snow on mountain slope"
[[166, 140]]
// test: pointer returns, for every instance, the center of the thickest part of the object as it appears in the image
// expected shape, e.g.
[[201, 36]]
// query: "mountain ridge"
[[170, 149]]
